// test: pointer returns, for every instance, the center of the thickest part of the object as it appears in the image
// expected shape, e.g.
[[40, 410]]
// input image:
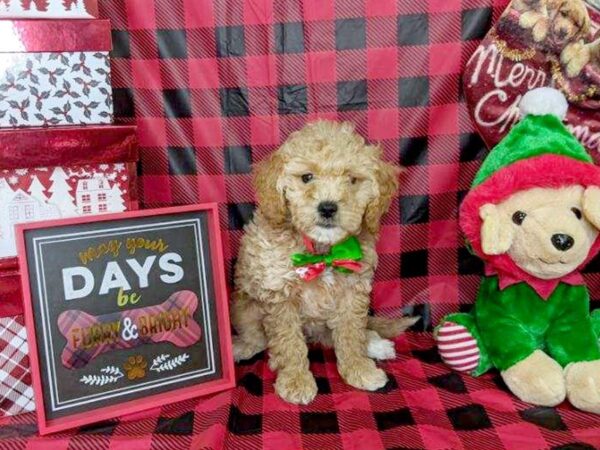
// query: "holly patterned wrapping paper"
[[62, 82], [48, 9]]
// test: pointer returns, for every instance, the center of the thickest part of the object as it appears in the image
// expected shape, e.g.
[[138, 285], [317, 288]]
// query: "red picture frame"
[[227, 379]]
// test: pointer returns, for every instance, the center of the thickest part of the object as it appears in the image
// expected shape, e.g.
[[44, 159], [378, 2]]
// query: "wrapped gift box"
[[55, 72], [48, 9], [16, 392], [49, 173]]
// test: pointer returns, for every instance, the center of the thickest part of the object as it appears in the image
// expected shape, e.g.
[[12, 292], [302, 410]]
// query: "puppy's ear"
[[591, 205], [583, 22], [496, 231], [271, 199], [385, 179]]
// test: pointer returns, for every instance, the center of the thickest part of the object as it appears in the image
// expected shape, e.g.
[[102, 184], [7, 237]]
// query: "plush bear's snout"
[[562, 242]]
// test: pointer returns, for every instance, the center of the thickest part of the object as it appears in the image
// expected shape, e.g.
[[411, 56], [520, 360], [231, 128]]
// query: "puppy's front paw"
[[574, 57], [298, 387], [363, 374], [381, 349]]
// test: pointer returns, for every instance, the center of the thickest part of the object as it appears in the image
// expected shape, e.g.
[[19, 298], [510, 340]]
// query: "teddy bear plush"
[[532, 215]]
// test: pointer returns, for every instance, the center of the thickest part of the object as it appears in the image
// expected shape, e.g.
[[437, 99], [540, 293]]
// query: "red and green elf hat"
[[539, 151]]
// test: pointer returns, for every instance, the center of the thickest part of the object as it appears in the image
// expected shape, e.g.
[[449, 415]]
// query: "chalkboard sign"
[[124, 312]]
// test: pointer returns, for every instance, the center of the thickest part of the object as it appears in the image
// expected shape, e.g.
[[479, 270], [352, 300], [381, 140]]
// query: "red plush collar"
[[541, 171], [543, 288]]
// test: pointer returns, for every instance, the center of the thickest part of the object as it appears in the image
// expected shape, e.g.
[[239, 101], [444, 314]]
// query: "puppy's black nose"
[[327, 209], [562, 242]]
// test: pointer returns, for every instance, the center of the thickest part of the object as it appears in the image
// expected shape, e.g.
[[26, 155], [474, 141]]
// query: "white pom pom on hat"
[[542, 101]]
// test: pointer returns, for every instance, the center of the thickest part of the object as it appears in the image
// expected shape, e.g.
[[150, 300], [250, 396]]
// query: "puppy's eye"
[[577, 212], [519, 217], [307, 178], [353, 180]]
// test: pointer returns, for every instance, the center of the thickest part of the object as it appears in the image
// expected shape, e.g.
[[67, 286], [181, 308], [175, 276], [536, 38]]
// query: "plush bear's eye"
[[577, 212], [519, 217], [307, 178]]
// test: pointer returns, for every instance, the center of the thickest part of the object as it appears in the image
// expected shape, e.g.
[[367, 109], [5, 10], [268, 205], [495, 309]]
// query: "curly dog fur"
[[276, 310]]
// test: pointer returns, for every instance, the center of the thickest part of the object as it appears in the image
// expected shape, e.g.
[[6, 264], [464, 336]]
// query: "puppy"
[[322, 187], [557, 22]]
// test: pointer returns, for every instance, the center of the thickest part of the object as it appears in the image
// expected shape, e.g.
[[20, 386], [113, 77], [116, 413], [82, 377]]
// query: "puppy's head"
[[547, 232], [326, 182], [569, 21]]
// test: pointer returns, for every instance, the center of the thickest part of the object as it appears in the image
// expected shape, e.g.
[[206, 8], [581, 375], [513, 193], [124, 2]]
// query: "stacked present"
[[60, 155]]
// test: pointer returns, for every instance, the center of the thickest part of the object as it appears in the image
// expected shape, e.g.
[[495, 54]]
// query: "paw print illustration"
[[135, 367]]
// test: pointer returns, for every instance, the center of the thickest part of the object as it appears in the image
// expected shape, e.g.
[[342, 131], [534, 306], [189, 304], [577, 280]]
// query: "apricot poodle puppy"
[[306, 262]]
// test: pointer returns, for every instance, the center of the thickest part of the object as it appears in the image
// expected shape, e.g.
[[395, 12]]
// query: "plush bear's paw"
[[583, 385], [363, 374], [379, 348], [296, 386], [538, 380]]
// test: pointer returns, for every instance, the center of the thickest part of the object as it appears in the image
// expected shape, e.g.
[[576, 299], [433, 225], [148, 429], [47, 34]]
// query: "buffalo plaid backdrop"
[[216, 85]]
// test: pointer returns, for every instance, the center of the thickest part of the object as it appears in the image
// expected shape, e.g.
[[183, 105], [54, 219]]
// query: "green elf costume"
[[515, 313]]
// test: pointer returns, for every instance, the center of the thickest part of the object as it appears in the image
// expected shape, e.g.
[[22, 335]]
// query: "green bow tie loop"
[[344, 253]]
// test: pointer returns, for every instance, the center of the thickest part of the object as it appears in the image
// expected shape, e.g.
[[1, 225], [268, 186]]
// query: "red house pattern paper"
[[48, 9], [28, 195]]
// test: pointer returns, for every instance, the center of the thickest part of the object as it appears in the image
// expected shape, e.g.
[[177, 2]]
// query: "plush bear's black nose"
[[562, 242], [327, 209]]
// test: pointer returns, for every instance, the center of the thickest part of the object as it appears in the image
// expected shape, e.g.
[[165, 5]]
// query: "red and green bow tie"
[[343, 257]]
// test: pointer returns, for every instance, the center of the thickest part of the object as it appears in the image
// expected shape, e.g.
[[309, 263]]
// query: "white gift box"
[[63, 80]]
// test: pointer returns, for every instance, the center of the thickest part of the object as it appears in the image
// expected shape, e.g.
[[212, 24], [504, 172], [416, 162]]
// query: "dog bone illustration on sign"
[[88, 336]]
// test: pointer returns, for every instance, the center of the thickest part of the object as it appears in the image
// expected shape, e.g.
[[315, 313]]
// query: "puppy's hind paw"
[[381, 349], [242, 350]]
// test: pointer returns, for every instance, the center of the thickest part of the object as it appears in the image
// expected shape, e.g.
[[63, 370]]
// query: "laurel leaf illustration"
[[111, 374], [163, 364], [98, 380], [112, 370]]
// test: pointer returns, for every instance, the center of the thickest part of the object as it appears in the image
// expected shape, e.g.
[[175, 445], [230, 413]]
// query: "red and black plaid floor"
[[424, 406], [217, 85]]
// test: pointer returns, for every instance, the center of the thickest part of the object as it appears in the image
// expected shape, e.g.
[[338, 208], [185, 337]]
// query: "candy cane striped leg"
[[457, 347]]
